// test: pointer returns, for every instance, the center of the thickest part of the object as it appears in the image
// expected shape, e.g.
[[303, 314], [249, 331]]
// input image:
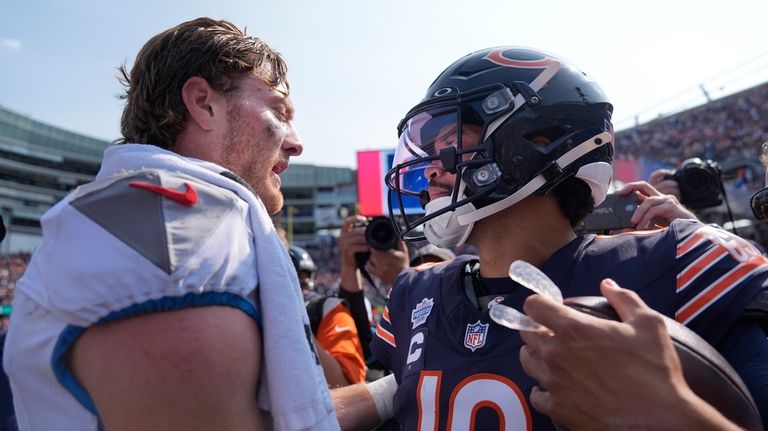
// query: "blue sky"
[[356, 67]]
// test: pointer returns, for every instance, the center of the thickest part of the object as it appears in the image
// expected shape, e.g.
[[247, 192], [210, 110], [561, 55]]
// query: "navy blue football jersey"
[[458, 370]]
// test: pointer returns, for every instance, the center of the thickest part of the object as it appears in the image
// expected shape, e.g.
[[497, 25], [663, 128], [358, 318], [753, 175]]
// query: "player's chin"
[[273, 201]]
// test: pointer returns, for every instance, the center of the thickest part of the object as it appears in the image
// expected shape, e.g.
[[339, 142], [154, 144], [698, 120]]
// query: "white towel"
[[293, 387]]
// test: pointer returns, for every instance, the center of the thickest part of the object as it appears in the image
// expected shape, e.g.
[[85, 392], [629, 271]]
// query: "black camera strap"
[[728, 207], [367, 276]]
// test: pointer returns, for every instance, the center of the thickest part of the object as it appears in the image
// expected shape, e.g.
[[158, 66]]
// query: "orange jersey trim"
[[717, 289], [699, 266], [386, 336]]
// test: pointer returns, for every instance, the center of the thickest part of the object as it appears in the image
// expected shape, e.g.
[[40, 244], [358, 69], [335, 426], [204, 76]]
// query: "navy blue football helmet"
[[473, 146]]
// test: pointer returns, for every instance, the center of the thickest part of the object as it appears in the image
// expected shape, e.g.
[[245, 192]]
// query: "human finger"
[[626, 302], [660, 175], [356, 236], [541, 400], [350, 222], [352, 236], [661, 210], [669, 187], [532, 364], [549, 313], [638, 217], [668, 211], [642, 187]]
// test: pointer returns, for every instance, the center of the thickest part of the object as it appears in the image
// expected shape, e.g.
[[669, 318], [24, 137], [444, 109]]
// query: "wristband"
[[383, 392]]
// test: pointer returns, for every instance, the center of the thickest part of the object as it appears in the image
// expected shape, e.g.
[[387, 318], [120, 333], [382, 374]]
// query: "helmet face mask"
[[492, 123], [440, 146]]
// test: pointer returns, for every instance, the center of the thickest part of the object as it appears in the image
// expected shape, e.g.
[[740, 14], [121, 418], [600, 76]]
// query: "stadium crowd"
[[11, 268], [723, 129]]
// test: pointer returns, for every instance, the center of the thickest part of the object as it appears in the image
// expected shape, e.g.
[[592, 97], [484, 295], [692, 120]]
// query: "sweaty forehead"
[[261, 80]]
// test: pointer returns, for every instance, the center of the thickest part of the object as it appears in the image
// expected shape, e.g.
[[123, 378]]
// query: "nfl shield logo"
[[474, 338]]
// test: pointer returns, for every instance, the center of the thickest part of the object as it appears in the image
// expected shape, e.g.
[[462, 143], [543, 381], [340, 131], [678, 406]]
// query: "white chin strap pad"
[[445, 230], [598, 176]]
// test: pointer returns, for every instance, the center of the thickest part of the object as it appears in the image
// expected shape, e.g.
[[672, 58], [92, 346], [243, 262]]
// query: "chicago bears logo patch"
[[475, 335], [519, 57], [421, 312], [494, 301]]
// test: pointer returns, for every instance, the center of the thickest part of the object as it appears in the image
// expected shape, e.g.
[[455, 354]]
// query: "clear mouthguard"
[[531, 278]]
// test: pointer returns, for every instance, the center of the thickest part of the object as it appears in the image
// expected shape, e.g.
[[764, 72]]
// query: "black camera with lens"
[[700, 183], [380, 234]]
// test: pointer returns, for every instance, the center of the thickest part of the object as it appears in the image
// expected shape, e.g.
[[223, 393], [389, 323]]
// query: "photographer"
[[697, 184], [385, 265]]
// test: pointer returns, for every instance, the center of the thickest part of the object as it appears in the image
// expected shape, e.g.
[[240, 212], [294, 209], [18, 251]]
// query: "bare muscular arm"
[[192, 369]]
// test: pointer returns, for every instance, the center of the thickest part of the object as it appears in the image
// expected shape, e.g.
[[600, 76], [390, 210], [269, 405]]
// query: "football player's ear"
[[206, 106]]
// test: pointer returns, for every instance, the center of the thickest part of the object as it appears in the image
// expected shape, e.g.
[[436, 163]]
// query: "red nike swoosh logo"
[[186, 198]]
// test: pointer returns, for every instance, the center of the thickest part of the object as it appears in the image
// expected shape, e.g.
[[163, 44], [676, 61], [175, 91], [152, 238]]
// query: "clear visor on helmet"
[[430, 152], [439, 143]]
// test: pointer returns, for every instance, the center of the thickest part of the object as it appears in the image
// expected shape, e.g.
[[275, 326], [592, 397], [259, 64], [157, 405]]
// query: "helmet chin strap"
[[445, 229], [469, 218]]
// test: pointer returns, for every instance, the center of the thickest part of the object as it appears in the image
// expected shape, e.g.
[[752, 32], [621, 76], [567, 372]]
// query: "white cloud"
[[12, 44]]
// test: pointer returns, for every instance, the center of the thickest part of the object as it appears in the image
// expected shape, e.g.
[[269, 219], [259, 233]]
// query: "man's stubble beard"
[[235, 150]]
